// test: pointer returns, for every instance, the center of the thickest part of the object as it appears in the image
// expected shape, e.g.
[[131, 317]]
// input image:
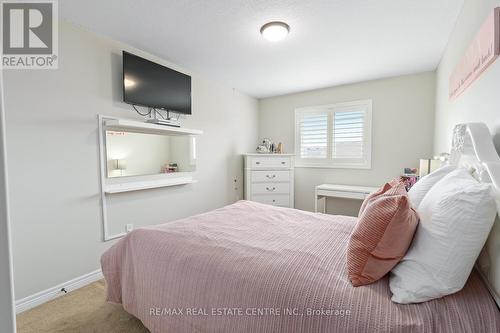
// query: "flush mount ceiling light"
[[275, 31]]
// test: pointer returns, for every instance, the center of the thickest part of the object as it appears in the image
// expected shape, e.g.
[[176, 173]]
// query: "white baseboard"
[[54, 292]]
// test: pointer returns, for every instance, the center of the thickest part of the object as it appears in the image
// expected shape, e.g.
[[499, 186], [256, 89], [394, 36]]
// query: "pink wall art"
[[483, 51]]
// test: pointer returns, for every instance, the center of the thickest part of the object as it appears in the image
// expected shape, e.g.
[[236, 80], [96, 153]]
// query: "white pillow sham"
[[456, 217], [420, 189]]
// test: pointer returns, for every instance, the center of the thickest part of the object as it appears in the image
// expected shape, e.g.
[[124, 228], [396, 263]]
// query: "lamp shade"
[[121, 164], [118, 164], [429, 165]]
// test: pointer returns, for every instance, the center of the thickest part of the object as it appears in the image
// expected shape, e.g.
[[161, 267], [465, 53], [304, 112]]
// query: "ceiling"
[[331, 42]]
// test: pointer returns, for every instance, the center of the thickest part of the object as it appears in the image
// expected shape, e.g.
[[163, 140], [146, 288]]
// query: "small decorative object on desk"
[[279, 150], [267, 143], [410, 171], [268, 146], [265, 147], [409, 177], [170, 168], [262, 149]]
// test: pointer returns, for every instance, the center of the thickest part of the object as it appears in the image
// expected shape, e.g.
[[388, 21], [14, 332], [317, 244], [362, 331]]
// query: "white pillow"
[[420, 189], [456, 217]]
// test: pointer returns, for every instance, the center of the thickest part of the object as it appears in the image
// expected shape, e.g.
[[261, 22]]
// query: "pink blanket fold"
[[250, 267]]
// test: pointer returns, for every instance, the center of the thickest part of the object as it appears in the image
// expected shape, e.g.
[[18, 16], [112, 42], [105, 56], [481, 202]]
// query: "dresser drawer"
[[269, 179], [270, 176], [274, 199], [270, 188], [270, 162]]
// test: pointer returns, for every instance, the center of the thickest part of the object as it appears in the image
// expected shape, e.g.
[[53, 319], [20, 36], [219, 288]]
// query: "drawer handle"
[[274, 200], [271, 176], [257, 162], [283, 162], [271, 189]]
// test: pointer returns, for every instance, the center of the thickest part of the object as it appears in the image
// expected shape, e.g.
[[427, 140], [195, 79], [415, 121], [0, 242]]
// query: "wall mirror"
[[138, 154]]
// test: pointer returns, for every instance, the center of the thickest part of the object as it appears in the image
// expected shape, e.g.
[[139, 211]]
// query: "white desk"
[[340, 191]]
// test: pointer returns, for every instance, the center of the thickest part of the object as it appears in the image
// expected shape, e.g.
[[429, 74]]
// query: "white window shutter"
[[313, 134], [348, 135], [334, 136]]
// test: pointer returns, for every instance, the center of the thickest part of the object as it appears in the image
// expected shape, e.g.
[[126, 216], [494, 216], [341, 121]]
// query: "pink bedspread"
[[250, 267]]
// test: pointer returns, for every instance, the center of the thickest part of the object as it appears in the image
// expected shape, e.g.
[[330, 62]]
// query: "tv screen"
[[150, 84]]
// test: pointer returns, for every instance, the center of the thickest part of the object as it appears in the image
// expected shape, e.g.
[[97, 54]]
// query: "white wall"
[[480, 102], [7, 319], [403, 118], [53, 158]]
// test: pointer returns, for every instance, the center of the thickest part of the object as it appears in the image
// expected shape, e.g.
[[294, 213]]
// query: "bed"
[[250, 267]]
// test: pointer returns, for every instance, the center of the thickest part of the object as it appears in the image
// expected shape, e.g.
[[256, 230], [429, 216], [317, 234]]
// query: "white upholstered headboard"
[[473, 148]]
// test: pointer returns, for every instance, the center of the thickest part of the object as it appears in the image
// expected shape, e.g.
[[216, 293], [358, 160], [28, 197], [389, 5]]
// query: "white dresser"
[[269, 179]]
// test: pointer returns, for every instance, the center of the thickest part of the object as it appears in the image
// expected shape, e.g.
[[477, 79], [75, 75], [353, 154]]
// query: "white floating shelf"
[[147, 184], [137, 126], [269, 154]]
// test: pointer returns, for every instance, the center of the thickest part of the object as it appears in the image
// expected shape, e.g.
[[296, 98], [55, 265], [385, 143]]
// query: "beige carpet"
[[83, 310]]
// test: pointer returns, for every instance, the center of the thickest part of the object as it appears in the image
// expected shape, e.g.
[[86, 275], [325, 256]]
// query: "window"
[[334, 136]]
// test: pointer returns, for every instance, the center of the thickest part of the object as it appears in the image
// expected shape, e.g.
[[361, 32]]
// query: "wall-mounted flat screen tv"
[[149, 84]]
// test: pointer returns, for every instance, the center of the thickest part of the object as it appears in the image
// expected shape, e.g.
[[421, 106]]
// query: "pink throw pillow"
[[383, 234]]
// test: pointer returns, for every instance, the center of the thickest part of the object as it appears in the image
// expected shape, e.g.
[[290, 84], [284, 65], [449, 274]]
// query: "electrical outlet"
[[129, 227], [236, 188]]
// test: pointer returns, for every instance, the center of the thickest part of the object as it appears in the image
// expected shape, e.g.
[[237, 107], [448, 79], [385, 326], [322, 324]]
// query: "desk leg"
[[318, 198], [315, 201]]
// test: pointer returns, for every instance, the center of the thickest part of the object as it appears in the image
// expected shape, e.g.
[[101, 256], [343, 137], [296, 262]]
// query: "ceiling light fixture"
[[275, 31]]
